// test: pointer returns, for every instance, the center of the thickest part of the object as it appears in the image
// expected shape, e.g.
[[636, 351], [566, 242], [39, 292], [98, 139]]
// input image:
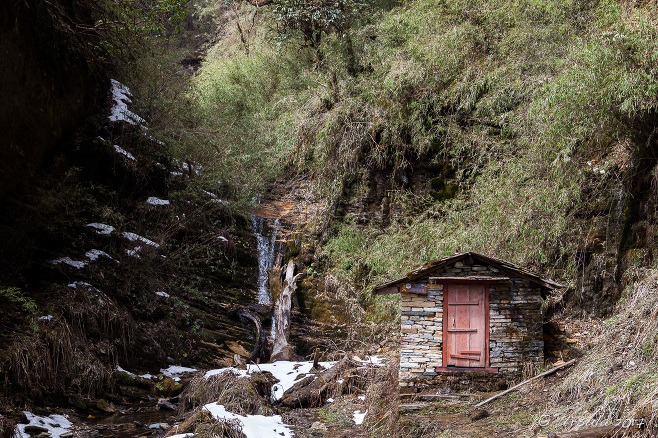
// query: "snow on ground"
[[186, 166], [124, 152], [174, 370], [136, 237], [101, 228], [286, 372], [182, 435], [57, 425], [68, 261], [46, 318], [253, 426], [157, 201], [371, 360], [359, 417], [215, 198], [94, 254], [121, 98], [121, 370], [82, 284], [133, 252], [362, 397], [162, 294]]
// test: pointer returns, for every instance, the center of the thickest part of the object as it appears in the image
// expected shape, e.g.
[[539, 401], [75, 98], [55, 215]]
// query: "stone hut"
[[468, 321]]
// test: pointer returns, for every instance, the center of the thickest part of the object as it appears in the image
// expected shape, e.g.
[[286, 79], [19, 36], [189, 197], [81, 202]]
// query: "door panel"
[[465, 325]]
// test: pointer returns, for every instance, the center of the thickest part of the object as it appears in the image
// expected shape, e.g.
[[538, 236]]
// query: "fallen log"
[[596, 432], [545, 373]]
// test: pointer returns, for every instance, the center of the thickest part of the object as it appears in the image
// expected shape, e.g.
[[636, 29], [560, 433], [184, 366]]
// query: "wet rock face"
[[46, 85]]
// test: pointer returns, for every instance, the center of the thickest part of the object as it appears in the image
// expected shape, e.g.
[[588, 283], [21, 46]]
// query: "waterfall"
[[266, 256]]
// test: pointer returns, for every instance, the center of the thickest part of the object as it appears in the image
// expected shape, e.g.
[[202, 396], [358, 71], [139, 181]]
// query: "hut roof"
[[430, 267]]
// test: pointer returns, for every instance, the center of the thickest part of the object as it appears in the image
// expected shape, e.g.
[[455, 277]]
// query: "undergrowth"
[[616, 382]]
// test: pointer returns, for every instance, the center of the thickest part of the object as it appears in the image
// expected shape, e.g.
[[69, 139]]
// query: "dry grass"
[[6, 427], [616, 382], [242, 396], [382, 401]]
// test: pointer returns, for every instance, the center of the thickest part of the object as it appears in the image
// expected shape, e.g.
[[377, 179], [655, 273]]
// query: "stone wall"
[[515, 328]]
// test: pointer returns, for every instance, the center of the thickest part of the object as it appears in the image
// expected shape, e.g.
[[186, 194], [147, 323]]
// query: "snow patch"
[[121, 370], [359, 417], [162, 294], [94, 254], [46, 318], [288, 373], [133, 252], [330, 400], [121, 97], [157, 201], [222, 238], [182, 435], [124, 152], [68, 261], [101, 228], [57, 425], [174, 370], [83, 284], [371, 360], [136, 237], [253, 426], [362, 397]]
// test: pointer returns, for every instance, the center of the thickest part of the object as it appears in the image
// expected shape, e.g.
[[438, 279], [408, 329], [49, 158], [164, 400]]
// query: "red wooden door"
[[465, 325]]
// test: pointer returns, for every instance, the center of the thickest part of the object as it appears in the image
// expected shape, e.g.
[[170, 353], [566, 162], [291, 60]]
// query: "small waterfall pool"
[[267, 250]]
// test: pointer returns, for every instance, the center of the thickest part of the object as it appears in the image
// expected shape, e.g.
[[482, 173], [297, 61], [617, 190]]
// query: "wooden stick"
[[597, 432], [545, 373]]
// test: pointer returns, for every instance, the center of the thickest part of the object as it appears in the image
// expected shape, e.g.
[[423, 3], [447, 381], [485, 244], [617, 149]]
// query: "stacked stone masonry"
[[515, 325]]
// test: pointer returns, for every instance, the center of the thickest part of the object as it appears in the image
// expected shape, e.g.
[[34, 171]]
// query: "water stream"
[[267, 250]]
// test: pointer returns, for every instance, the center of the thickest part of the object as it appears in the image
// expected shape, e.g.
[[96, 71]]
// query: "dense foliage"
[[538, 109]]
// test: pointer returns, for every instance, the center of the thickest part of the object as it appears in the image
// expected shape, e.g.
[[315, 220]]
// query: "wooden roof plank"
[[428, 268]]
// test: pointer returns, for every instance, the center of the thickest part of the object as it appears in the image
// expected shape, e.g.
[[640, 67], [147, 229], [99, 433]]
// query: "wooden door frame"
[[445, 367]]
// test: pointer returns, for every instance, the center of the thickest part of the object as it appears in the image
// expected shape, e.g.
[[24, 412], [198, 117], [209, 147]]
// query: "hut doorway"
[[466, 326]]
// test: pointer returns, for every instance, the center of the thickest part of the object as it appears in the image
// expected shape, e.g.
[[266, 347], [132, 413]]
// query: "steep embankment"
[[48, 82], [114, 253]]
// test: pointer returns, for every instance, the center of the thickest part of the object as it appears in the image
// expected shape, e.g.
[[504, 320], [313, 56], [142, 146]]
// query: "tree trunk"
[[281, 349]]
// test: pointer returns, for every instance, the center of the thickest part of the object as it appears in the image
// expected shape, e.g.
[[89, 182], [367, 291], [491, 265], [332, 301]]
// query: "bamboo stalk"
[[507, 391]]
